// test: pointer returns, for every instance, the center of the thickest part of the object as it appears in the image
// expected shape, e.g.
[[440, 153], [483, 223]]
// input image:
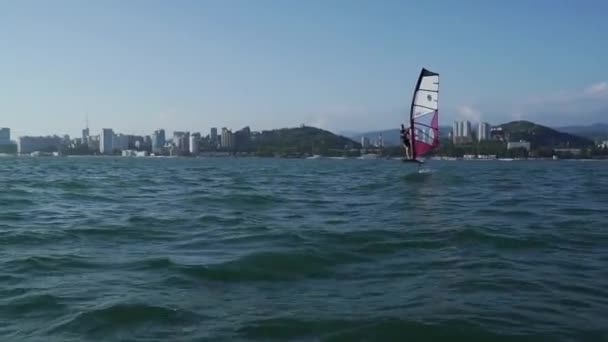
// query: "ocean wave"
[[493, 283], [19, 238], [359, 237], [118, 232], [157, 221], [9, 291], [263, 237], [40, 304], [249, 200], [506, 211], [123, 317], [71, 185], [418, 177], [581, 211], [90, 197], [55, 264], [221, 220], [272, 266], [390, 247], [8, 200], [373, 186], [389, 329], [476, 236], [12, 216]]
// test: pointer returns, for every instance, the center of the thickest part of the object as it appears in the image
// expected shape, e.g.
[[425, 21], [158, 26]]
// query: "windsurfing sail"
[[424, 114]]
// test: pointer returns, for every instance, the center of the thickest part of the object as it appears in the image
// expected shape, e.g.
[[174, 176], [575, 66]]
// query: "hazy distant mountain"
[[597, 131], [348, 133], [391, 136], [541, 136]]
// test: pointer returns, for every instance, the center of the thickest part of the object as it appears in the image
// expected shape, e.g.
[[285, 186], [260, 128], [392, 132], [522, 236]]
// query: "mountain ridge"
[[595, 131], [543, 136]]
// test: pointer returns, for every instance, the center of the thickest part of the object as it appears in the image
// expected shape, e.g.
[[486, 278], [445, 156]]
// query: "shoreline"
[[316, 157]]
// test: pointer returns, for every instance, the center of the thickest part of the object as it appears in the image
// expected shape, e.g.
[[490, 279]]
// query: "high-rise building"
[[365, 142], [85, 135], [5, 136], [135, 142], [181, 141], [120, 142], [42, 144], [158, 140], [213, 136], [242, 138], [466, 129], [106, 141], [195, 139], [93, 142], [147, 145], [483, 132], [462, 132], [226, 138]]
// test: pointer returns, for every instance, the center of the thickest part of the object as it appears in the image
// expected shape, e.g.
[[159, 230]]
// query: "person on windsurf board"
[[422, 134], [405, 140]]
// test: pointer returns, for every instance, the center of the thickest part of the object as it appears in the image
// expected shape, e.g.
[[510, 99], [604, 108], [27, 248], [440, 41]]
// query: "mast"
[[412, 134]]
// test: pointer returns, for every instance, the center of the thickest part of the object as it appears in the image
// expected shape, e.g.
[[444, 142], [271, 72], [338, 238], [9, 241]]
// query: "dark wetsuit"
[[405, 137]]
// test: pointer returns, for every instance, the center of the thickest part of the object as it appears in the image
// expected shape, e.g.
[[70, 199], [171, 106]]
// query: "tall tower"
[[5, 136], [106, 143], [213, 135], [85, 132], [466, 129]]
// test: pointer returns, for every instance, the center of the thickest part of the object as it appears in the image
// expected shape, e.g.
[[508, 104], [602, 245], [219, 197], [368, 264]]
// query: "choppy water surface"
[[261, 249]]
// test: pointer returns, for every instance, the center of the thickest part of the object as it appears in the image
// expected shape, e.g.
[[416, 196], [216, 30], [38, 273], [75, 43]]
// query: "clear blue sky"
[[343, 65]]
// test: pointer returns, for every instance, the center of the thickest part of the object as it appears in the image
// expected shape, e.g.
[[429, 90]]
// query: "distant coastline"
[[313, 157], [514, 140]]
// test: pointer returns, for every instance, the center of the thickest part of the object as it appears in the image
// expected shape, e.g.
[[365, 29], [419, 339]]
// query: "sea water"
[[171, 249]]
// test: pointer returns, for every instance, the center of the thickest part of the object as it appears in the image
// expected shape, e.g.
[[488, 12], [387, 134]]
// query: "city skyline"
[[339, 66], [109, 142]]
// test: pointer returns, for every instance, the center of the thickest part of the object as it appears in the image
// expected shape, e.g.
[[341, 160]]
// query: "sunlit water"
[[260, 249]]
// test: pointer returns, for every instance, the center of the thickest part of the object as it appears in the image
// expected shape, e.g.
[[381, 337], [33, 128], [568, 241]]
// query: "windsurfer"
[[405, 140]]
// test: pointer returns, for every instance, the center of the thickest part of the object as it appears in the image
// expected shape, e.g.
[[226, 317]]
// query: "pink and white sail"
[[424, 114]]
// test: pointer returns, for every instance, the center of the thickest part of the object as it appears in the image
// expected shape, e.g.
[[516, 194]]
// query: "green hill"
[[301, 140], [541, 136]]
